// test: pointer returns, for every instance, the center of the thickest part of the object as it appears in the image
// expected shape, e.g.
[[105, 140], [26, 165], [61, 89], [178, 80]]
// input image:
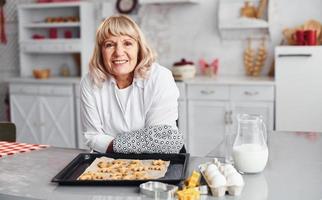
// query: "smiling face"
[[120, 56]]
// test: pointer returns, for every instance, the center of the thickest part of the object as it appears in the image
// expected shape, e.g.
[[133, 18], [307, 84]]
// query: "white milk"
[[250, 158]]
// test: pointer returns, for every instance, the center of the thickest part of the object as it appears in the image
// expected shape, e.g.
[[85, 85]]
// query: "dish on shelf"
[[41, 73]]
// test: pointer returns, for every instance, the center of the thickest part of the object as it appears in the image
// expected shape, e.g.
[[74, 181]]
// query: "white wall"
[[190, 31], [178, 31]]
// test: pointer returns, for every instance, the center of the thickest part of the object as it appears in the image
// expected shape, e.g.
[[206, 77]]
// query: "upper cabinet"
[[239, 19], [56, 36], [167, 1]]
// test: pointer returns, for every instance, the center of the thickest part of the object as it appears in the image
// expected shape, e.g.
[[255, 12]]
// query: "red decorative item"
[[43, 1], [37, 37], [299, 37], [310, 37], [53, 33], [209, 69], [3, 37], [68, 34]]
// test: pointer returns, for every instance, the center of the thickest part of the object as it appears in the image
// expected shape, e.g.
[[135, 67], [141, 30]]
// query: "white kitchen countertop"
[[294, 171], [51, 80], [230, 80]]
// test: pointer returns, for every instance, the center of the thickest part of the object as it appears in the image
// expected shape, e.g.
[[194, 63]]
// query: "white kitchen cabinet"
[[43, 114], [253, 99], [26, 116], [298, 72], [44, 110], [208, 109], [67, 30], [265, 109], [214, 104], [206, 125]]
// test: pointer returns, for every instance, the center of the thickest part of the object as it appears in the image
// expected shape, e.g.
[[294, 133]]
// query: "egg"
[[212, 174], [235, 179], [218, 180], [228, 169], [211, 167]]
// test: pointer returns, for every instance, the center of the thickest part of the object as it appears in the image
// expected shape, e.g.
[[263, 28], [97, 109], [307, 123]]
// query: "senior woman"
[[128, 102]]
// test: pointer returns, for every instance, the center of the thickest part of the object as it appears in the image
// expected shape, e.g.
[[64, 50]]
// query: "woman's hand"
[[152, 139]]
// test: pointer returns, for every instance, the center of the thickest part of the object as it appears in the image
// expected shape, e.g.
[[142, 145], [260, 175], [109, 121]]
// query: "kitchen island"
[[294, 171]]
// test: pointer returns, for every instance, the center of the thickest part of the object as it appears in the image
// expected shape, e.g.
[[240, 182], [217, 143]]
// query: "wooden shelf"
[[51, 46], [53, 41], [232, 26], [243, 23], [50, 5], [52, 25]]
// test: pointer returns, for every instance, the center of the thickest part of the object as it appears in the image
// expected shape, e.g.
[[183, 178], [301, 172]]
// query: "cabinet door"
[[206, 126], [57, 121], [265, 109], [298, 88], [25, 114]]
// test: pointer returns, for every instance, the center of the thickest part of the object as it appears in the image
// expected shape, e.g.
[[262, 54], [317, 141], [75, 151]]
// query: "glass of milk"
[[250, 152]]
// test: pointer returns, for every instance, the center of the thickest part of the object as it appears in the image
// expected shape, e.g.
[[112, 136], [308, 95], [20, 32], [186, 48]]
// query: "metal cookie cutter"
[[158, 190]]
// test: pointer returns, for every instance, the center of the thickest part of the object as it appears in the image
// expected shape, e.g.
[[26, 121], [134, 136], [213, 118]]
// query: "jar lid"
[[183, 62]]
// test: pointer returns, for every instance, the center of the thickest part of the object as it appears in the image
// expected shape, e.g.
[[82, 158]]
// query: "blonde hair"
[[119, 25]]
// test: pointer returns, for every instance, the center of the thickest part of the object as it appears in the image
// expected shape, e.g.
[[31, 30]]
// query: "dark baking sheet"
[[68, 176]]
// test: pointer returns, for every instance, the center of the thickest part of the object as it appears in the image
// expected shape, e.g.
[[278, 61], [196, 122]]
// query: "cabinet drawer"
[[24, 89], [208, 92], [255, 93], [54, 90]]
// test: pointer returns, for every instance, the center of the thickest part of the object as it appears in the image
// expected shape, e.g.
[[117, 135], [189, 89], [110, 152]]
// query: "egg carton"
[[225, 180]]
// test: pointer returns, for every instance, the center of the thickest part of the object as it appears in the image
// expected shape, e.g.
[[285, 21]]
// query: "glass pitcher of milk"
[[250, 152]]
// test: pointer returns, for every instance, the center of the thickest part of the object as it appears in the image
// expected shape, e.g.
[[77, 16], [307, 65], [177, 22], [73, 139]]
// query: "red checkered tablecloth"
[[10, 148]]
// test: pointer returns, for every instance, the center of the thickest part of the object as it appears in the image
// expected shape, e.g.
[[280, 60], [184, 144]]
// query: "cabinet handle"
[[207, 92], [230, 117], [251, 93], [226, 117], [294, 55]]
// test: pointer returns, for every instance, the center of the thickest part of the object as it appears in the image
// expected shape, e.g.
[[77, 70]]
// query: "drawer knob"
[[251, 93], [207, 92]]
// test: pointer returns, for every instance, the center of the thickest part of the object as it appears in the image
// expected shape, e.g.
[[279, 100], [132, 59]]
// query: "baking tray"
[[68, 176]]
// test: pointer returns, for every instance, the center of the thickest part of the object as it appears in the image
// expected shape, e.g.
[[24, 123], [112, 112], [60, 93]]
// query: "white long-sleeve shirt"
[[152, 101]]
